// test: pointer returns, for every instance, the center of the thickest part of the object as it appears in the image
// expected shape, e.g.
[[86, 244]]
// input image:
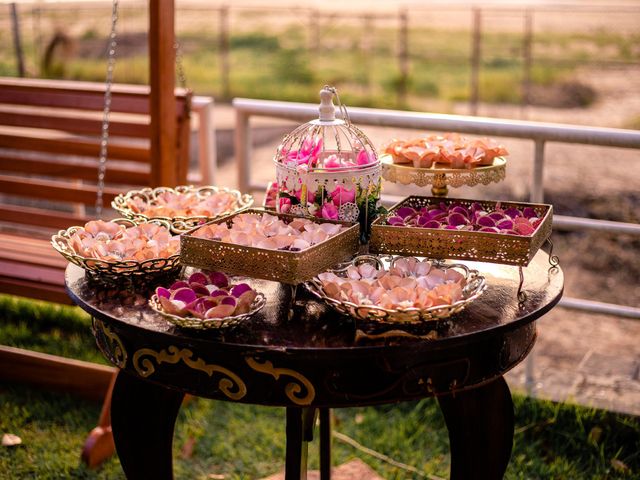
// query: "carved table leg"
[[300, 423], [143, 416], [325, 443], [480, 423]]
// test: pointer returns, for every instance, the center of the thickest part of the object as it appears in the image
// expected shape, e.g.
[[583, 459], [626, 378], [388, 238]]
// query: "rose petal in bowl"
[[198, 277], [512, 212], [456, 219], [505, 224], [486, 221], [185, 295], [497, 216], [239, 289], [173, 307], [432, 224], [220, 311], [200, 290], [228, 301], [524, 229], [461, 210], [489, 229], [179, 284], [405, 212], [529, 212], [395, 220], [219, 279], [163, 292]]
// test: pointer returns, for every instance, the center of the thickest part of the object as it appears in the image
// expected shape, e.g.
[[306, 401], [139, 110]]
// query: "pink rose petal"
[[220, 311]]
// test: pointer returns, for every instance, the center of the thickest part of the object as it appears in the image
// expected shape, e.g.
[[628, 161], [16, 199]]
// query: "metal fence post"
[[476, 38], [526, 57], [403, 57], [223, 44], [17, 41]]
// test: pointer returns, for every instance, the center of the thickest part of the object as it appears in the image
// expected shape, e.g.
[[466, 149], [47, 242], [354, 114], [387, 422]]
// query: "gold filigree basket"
[[279, 265], [208, 323], [123, 204], [475, 284], [460, 244], [117, 272]]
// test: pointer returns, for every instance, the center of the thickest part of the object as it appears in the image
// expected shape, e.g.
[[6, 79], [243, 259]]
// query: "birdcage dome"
[[327, 167]]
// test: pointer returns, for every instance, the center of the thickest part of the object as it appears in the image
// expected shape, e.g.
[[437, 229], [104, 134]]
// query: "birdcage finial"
[[327, 108]]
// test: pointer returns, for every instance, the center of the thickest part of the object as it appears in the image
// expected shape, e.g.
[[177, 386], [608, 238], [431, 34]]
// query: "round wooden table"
[[316, 360]]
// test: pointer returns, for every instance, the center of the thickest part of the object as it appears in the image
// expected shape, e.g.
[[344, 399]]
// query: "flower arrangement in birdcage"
[[328, 168]]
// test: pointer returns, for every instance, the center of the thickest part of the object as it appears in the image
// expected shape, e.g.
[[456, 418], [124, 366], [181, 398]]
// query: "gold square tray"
[[279, 265], [460, 244]]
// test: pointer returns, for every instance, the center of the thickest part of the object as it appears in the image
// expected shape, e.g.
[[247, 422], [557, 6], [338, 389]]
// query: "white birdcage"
[[328, 168]]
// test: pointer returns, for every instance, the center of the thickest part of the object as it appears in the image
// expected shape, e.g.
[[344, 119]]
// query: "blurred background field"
[[431, 57]]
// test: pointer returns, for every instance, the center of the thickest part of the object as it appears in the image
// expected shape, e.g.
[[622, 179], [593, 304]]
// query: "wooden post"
[[403, 57], [15, 27], [163, 102], [475, 60], [526, 64], [223, 44]]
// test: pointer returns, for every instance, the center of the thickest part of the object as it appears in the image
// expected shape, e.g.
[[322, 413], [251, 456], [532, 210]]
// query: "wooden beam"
[[162, 81], [86, 379]]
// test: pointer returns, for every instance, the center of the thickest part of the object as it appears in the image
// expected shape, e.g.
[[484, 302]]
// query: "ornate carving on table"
[[109, 343], [292, 390], [230, 384]]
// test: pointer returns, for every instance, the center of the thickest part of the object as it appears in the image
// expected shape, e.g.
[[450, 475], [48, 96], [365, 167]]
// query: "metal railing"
[[540, 133]]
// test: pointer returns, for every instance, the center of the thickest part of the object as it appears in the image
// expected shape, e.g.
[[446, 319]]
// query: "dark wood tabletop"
[[318, 359]]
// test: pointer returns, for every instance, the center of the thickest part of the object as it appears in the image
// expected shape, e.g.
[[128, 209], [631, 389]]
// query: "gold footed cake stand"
[[441, 179]]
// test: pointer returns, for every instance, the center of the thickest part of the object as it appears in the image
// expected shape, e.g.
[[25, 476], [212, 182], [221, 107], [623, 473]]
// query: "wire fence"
[[475, 54]]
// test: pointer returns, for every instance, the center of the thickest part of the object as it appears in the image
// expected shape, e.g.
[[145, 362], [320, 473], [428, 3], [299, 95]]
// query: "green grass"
[[559, 441]]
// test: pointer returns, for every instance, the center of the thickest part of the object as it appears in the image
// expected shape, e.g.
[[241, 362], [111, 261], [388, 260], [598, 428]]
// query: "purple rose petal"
[[179, 284], [461, 210], [163, 292], [239, 289], [198, 277], [497, 216], [185, 295], [529, 213], [200, 290], [512, 212], [228, 301], [405, 212], [432, 224], [395, 221], [486, 221], [506, 224], [219, 279], [456, 219], [489, 229]]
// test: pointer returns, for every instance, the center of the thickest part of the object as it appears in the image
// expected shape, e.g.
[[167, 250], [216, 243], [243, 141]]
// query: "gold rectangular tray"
[[279, 265], [460, 244]]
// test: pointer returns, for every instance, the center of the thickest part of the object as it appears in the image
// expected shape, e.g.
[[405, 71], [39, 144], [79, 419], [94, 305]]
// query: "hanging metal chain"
[[111, 61]]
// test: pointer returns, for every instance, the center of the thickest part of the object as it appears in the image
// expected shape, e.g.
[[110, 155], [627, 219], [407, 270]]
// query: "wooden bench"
[[50, 134]]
